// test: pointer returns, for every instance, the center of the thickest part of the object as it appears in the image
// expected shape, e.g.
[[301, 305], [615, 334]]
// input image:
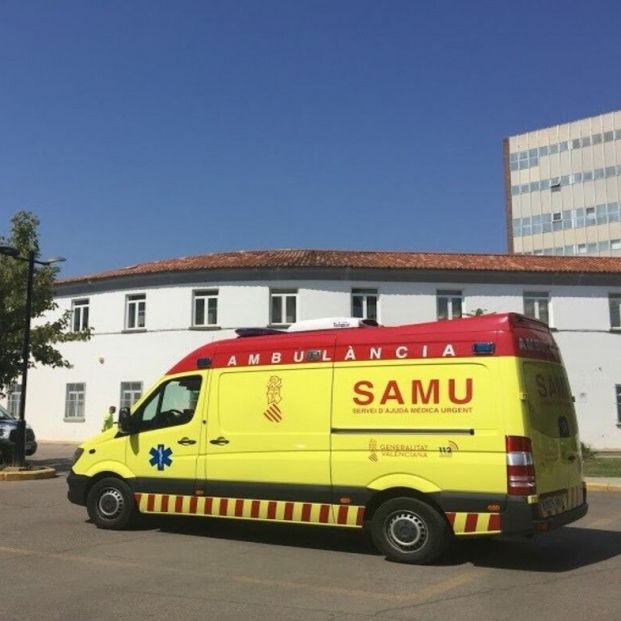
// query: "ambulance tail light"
[[520, 467]]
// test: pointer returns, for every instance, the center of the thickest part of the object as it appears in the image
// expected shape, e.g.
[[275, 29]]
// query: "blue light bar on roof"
[[483, 349]]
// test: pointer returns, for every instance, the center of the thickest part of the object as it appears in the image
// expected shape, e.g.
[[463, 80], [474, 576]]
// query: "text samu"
[[416, 391]]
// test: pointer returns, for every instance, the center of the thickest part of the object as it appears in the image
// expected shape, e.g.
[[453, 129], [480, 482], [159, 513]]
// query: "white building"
[[146, 317], [563, 188]]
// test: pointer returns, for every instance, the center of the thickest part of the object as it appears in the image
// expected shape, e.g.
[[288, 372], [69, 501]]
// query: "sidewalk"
[[603, 484]]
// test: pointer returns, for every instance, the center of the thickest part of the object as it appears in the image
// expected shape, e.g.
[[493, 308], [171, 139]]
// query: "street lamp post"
[[19, 455]]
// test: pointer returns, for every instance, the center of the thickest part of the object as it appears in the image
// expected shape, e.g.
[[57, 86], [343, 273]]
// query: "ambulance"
[[420, 433]]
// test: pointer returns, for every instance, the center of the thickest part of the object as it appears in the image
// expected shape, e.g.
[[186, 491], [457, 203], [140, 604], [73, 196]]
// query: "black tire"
[[110, 504], [407, 530]]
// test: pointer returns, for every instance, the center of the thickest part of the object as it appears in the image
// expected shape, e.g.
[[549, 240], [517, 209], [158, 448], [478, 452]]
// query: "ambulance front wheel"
[[407, 530], [110, 504]]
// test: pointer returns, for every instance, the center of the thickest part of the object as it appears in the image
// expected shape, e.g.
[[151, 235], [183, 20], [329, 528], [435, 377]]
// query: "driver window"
[[171, 404]]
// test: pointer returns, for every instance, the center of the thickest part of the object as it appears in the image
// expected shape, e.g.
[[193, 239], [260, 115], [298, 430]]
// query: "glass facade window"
[[135, 311], [74, 402], [449, 304], [80, 311], [364, 303], [536, 305], [283, 306], [614, 302], [520, 160], [130, 393], [205, 308]]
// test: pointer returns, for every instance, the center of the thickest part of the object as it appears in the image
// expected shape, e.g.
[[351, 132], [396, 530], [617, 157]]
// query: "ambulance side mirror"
[[125, 421]]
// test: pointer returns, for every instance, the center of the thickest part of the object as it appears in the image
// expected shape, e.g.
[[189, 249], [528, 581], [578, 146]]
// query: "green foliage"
[[587, 451], [603, 467], [13, 283]]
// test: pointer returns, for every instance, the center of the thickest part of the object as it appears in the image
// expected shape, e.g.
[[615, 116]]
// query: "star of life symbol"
[[160, 457], [274, 397]]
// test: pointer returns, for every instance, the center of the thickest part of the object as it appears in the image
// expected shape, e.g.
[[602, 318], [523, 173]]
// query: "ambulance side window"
[[172, 403]]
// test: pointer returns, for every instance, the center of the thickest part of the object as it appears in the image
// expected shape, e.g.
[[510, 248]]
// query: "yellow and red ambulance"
[[420, 432]]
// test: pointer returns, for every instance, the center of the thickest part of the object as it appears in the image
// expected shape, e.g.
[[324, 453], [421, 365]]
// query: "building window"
[[79, 308], [130, 393], [14, 397], [364, 303], [449, 304], [135, 311], [283, 305], [614, 301], [74, 402], [536, 305], [618, 394], [205, 308]]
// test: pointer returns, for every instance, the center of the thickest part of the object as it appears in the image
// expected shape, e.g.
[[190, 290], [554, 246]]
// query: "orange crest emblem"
[[274, 397]]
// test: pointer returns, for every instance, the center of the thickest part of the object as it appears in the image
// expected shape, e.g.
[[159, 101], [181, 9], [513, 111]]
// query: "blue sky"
[[152, 129]]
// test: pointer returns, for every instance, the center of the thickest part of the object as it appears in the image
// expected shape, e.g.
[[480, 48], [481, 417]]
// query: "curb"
[[603, 487], [16, 474]]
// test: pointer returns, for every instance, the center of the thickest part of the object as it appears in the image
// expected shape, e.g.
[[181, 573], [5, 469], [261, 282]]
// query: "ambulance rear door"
[[551, 424]]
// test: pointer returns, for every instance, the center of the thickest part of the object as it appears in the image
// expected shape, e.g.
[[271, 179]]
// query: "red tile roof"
[[359, 259]]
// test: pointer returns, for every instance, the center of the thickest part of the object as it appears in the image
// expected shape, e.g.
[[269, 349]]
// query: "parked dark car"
[[8, 429]]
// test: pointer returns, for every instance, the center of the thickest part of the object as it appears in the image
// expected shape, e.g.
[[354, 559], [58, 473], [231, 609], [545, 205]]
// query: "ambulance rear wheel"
[[110, 504], [407, 530]]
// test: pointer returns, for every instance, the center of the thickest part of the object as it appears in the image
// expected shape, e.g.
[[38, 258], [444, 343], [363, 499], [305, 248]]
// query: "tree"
[[46, 333]]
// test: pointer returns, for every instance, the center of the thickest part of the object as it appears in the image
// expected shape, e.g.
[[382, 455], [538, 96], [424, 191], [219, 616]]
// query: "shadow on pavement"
[[60, 464], [353, 541], [564, 550]]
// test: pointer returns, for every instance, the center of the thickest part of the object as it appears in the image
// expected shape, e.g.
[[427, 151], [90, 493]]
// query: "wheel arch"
[[104, 474], [378, 499]]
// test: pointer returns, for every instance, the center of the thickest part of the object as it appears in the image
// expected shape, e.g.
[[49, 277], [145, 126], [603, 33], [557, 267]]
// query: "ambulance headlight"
[[77, 455]]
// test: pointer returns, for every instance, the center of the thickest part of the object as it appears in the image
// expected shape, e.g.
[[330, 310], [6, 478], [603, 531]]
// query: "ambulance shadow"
[[353, 541], [61, 465], [563, 550]]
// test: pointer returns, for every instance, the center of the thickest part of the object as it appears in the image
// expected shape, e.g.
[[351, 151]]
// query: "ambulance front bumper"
[[77, 488]]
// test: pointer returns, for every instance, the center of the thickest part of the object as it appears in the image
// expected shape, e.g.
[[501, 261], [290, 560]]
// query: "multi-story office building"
[[563, 188]]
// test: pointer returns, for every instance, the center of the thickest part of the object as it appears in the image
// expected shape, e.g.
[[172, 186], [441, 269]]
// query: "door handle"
[[219, 441], [186, 441]]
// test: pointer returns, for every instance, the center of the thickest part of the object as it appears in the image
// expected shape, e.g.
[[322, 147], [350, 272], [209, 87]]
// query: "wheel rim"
[[110, 503], [406, 531]]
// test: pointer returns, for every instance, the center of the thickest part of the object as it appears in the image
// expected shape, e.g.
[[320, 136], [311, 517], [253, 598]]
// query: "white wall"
[[580, 315]]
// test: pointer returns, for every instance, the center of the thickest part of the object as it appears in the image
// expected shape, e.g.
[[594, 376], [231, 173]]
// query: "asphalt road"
[[56, 565]]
